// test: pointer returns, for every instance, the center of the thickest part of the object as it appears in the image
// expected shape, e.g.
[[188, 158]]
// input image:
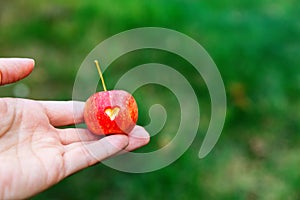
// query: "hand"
[[34, 153]]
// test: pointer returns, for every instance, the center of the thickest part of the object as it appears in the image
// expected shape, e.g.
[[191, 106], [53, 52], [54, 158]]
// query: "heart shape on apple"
[[112, 112]]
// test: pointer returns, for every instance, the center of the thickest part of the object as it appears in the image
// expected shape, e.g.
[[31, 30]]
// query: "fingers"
[[84, 149], [72, 135], [81, 155], [62, 113], [14, 69], [137, 138]]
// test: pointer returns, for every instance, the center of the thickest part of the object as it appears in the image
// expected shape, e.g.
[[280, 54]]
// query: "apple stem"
[[100, 74]]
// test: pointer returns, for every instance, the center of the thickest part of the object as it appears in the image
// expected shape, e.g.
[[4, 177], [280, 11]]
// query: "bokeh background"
[[256, 47]]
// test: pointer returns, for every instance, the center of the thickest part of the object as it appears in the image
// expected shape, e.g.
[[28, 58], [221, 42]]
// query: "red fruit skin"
[[99, 123]]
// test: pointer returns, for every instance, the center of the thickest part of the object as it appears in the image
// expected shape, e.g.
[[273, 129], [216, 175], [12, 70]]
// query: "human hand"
[[35, 154]]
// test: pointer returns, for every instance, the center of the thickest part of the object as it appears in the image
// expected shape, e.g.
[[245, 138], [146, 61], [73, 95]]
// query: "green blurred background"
[[256, 47]]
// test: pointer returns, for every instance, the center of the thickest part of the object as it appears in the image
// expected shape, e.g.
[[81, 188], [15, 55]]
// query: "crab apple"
[[110, 112]]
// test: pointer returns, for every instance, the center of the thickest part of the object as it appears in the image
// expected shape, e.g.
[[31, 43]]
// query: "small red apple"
[[110, 112]]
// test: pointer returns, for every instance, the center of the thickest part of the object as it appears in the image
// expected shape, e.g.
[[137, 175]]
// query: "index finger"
[[63, 113]]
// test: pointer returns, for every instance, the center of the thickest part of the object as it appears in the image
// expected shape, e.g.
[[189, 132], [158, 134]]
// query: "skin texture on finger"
[[84, 154], [137, 138], [14, 69], [71, 135], [64, 113]]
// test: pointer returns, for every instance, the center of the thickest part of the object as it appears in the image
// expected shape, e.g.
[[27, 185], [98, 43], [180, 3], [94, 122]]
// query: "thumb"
[[14, 69]]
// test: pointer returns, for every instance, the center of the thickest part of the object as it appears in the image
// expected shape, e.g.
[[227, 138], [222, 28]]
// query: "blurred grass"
[[256, 46]]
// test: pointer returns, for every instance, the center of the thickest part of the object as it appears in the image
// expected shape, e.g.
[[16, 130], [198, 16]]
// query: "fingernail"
[[28, 60]]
